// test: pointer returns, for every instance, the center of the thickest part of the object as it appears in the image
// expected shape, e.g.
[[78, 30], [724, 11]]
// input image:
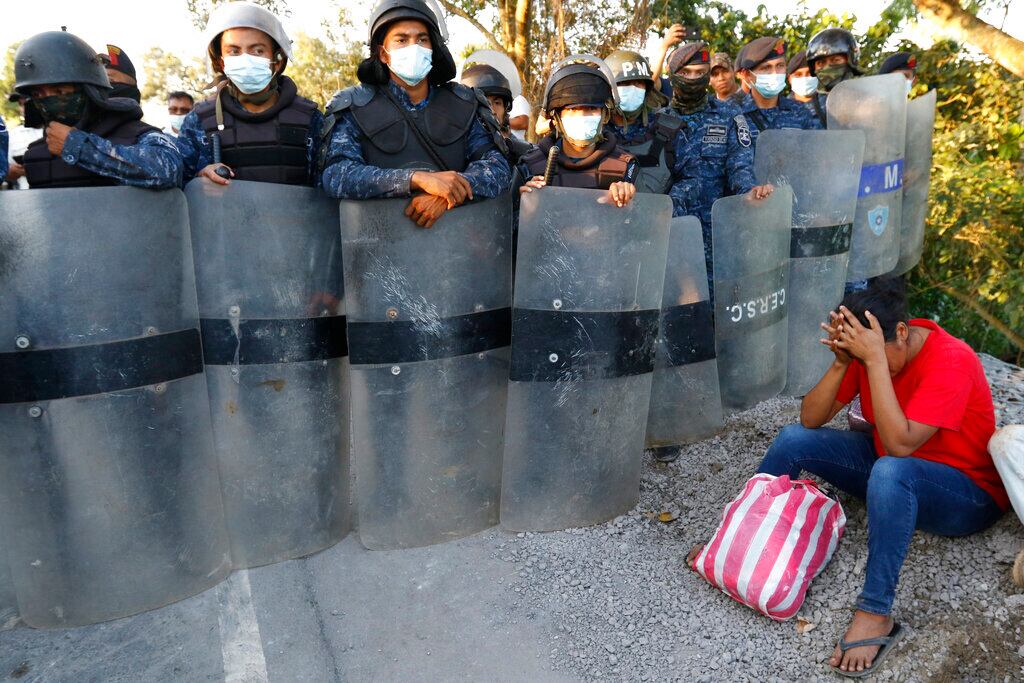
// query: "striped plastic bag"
[[775, 537]]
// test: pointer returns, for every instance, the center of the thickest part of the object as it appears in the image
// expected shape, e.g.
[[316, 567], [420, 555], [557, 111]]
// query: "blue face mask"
[[770, 85], [412, 63], [249, 73], [804, 86], [631, 98], [582, 130]]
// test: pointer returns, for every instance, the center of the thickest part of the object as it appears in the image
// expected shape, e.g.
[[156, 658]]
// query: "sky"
[[140, 25]]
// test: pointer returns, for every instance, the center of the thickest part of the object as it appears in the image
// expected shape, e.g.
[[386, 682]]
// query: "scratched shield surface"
[[876, 105], [589, 278], [110, 499], [428, 324], [271, 303], [751, 241], [917, 179]]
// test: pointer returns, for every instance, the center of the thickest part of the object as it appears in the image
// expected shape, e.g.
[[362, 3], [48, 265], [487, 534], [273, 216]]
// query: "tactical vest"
[[269, 146], [608, 164], [45, 170], [656, 154], [390, 141]]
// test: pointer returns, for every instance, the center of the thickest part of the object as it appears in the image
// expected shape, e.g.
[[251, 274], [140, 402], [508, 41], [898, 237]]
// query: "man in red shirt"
[[925, 464]]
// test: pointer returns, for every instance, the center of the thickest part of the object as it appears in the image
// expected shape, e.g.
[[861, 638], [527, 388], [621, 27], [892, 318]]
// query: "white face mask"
[[249, 73], [176, 120], [631, 98], [805, 86], [411, 63], [582, 130], [770, 85]]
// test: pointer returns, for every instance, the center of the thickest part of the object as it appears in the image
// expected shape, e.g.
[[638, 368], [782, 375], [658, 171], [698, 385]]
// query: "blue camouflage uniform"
[[152, 162], [631, 132], [4, 142], [786, 114], [197, 151], [715, 145], [346, 174]]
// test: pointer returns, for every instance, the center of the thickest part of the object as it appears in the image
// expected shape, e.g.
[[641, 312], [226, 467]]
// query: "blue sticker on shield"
[[878, 218]]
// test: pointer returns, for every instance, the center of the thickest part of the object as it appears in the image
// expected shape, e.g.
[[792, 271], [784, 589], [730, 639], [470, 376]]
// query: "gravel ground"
[[625, 607]]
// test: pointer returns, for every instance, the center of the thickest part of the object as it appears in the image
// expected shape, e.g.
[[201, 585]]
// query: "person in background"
[[802, 84], [179, 105], [20, 138], [121, 73], [723, 79], [904, 63], [833, 56], [519, 117], [674, 35], [498, 91]]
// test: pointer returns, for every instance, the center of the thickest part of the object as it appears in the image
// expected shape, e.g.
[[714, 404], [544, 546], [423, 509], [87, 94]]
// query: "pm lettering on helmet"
[[635, 69]]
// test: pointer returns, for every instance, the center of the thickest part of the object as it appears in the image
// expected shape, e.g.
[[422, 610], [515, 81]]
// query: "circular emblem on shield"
[[878, 218]]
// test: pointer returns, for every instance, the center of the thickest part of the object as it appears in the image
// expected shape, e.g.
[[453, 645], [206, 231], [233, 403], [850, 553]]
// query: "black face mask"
[[126, 90], [68, 109], [689, 94]]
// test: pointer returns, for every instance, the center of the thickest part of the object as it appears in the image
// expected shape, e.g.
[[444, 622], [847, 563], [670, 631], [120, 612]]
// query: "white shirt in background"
[[520, 107]]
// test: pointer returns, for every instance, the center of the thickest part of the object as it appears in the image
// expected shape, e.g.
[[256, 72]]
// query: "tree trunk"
[[1006, 50], [524, 20]]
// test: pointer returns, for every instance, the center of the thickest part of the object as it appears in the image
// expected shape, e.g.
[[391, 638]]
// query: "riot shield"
[[589, 278], [109, 489], [750, 243], [876, 105], [8, 600], [271, 304], [823, 169], [917, 175], [428, 340], [686, 405]]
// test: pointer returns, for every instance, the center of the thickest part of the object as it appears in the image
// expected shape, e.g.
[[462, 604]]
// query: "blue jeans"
[[901, 493]]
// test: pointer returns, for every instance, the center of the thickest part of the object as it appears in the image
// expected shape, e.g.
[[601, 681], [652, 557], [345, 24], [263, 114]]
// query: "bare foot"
[[694, 552], [864, 625]]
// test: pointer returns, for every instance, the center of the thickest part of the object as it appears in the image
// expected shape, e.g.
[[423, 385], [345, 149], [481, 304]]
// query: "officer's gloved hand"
[[425, 209], [217, 173], [448, 184], [762, 191]]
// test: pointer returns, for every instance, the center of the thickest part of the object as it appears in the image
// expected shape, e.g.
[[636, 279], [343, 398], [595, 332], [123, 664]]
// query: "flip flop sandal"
[[885, 644]]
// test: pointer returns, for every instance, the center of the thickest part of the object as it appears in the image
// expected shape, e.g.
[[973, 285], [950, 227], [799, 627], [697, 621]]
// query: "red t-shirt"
[[943, 386]]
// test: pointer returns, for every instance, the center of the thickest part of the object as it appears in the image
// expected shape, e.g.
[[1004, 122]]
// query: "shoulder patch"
[[742, 130]]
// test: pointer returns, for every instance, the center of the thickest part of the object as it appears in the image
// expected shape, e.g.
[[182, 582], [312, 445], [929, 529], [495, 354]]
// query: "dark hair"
[[886, 298], [372, 71], [180, 95]]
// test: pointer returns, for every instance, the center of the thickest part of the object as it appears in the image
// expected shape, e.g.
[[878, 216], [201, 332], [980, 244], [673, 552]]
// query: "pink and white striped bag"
[[775, 537]]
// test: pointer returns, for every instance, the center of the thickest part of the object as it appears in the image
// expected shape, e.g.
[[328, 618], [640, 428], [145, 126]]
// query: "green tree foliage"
[[971, 277], [8, 110], [320, 70], [165, 72], [200, 9]]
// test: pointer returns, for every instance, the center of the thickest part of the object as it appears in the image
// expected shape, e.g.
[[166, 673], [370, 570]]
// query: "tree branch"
[[458, 11], [1006, 50]]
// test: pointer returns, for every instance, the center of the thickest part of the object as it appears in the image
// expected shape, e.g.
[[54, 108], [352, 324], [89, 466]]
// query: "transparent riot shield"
[[750, 241], [876, 105], [917, 175], [110, 498], [271, 303], [589, 278], [686, 404], [8, 600], [823, 169], [428, 336]]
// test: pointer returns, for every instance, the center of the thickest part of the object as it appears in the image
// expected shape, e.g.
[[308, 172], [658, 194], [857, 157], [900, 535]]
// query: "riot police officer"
[[761, 64], [90, 138], [406, 130], [802, 84], [640, 123], [901, 62], [121, 72], [832, 57], [265, 131], [496, 88], [579, 99], [715, 134]]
